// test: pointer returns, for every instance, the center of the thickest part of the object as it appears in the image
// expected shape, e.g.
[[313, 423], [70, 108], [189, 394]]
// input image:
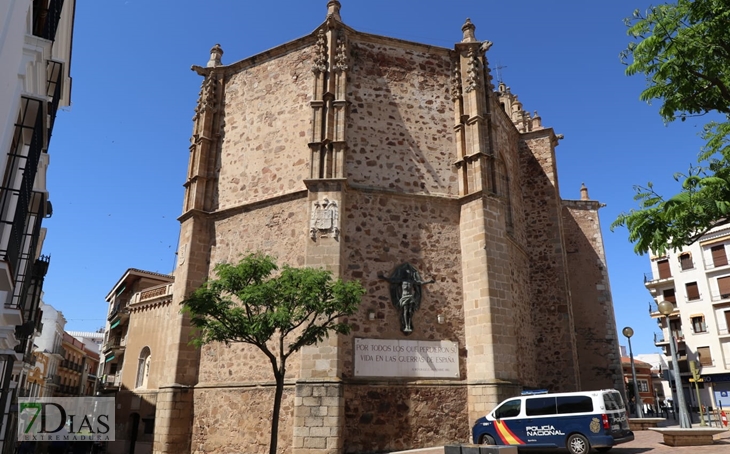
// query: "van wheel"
[[486, 440], [578, 444]]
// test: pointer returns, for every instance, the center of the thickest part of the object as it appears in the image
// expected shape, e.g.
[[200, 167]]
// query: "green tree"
[[278, 311], [683, 49]]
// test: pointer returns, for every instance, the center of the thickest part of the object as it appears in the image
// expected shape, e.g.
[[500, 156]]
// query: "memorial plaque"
[[406, 358]]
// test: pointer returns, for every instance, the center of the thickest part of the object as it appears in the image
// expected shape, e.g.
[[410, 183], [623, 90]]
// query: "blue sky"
[[119, 154]]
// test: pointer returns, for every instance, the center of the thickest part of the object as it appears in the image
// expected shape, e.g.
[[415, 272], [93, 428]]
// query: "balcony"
[[654, 310], [152, 294], [111, 381], [650, 281], [119, 314], [115, 344], [53, 380], [720, 299]]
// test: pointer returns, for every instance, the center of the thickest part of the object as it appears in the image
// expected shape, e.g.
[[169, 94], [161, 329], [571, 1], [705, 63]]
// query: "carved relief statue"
[[325, 219], [405, 293]]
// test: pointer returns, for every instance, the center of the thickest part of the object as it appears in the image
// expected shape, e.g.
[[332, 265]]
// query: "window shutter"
[[718, 255], [685, 262], [723, 284], [693, 292], [664, 271], [705, 356], [669, 294]]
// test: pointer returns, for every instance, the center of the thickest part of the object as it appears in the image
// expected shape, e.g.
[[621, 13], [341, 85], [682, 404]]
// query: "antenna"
[[498, 69]]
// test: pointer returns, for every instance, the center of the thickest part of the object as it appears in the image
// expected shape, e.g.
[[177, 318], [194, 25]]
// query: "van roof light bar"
[[532, 392]]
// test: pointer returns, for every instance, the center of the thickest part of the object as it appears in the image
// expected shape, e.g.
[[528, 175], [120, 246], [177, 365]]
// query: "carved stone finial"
[[319, 65], [215, 56], [473, 71], [333, 9], [468, 31], [341, 55], [584, 192], [536, 121]]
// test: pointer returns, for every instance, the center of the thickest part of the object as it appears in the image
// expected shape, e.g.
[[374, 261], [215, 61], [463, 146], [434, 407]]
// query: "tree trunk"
[[275, 414]]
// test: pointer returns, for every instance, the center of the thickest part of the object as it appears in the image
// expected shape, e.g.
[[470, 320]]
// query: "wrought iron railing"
[[46, 16]]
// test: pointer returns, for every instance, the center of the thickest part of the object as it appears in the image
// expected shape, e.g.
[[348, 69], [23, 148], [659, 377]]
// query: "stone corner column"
[[319, 408], [173, 419]]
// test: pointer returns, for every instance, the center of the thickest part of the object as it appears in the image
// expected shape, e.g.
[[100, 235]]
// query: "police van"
[[576, 421]]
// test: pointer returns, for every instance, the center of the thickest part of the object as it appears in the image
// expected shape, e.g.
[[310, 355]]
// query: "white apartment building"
[[696, 280], [35, 59]]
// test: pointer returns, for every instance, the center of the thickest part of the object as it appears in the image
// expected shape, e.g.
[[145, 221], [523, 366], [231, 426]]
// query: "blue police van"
[[577, 421]]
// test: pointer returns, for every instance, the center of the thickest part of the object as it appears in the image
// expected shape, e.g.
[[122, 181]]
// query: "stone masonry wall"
[[280, 230], [265, 134], [238, 420], [551, 306], [399, 130], [383, 231], [595, 322], [380, 418]]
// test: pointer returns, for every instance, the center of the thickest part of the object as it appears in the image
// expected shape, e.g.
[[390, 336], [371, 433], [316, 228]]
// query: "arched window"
[[143, 368]]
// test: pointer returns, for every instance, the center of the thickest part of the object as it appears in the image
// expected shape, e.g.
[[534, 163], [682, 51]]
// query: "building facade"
[[400, 165], [645, 381], [35, 50], [133, 353], [696, 280]]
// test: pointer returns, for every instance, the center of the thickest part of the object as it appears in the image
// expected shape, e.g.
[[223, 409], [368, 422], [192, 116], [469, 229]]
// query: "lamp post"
[[666, 308], [628, 332]]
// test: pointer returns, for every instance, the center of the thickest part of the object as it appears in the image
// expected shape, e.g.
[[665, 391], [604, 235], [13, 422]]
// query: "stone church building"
[[401, 165]]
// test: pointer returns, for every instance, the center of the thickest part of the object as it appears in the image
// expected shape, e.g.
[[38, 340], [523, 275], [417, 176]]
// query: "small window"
[[509, 409], [669, 295], [693, 292], [643, 386], [540, 406], [719, 258], [698, 324], [664, 270], [575, 404], [685, 261], [723, 285], [705, 356]]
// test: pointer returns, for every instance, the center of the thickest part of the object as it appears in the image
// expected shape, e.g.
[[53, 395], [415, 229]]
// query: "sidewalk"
[[650, 442]]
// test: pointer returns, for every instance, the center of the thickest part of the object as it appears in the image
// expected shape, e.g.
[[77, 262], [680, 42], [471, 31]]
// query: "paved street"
[[650, 442]]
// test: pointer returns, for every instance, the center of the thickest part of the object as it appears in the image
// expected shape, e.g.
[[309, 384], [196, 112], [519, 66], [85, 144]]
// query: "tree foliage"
[[683, 49], [277, 310]]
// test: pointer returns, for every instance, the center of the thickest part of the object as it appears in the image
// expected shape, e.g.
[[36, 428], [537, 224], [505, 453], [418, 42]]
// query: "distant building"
[[645, 380], [696, 280], [92, 340], [49, 346], [134, 352]]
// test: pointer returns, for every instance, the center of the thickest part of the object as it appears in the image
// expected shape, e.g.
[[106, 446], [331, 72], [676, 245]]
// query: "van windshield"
[[613, 401], [509, 409]]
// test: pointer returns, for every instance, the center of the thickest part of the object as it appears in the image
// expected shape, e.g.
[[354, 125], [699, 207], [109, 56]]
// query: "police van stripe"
[[506, 435]]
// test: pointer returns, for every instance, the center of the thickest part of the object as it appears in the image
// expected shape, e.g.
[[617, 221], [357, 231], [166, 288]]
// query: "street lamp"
[[628, 332], [666, 308]]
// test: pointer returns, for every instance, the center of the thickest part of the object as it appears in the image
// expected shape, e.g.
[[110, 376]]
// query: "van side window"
[[574, 404], [509, 409], [540, 406], [613, 401]]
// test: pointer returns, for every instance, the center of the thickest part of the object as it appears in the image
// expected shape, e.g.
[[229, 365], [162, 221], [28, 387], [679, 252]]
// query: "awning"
[[115, 324], [109, 359]]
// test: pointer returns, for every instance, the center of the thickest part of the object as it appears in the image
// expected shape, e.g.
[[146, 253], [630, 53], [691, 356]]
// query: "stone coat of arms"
[[325, 219]]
